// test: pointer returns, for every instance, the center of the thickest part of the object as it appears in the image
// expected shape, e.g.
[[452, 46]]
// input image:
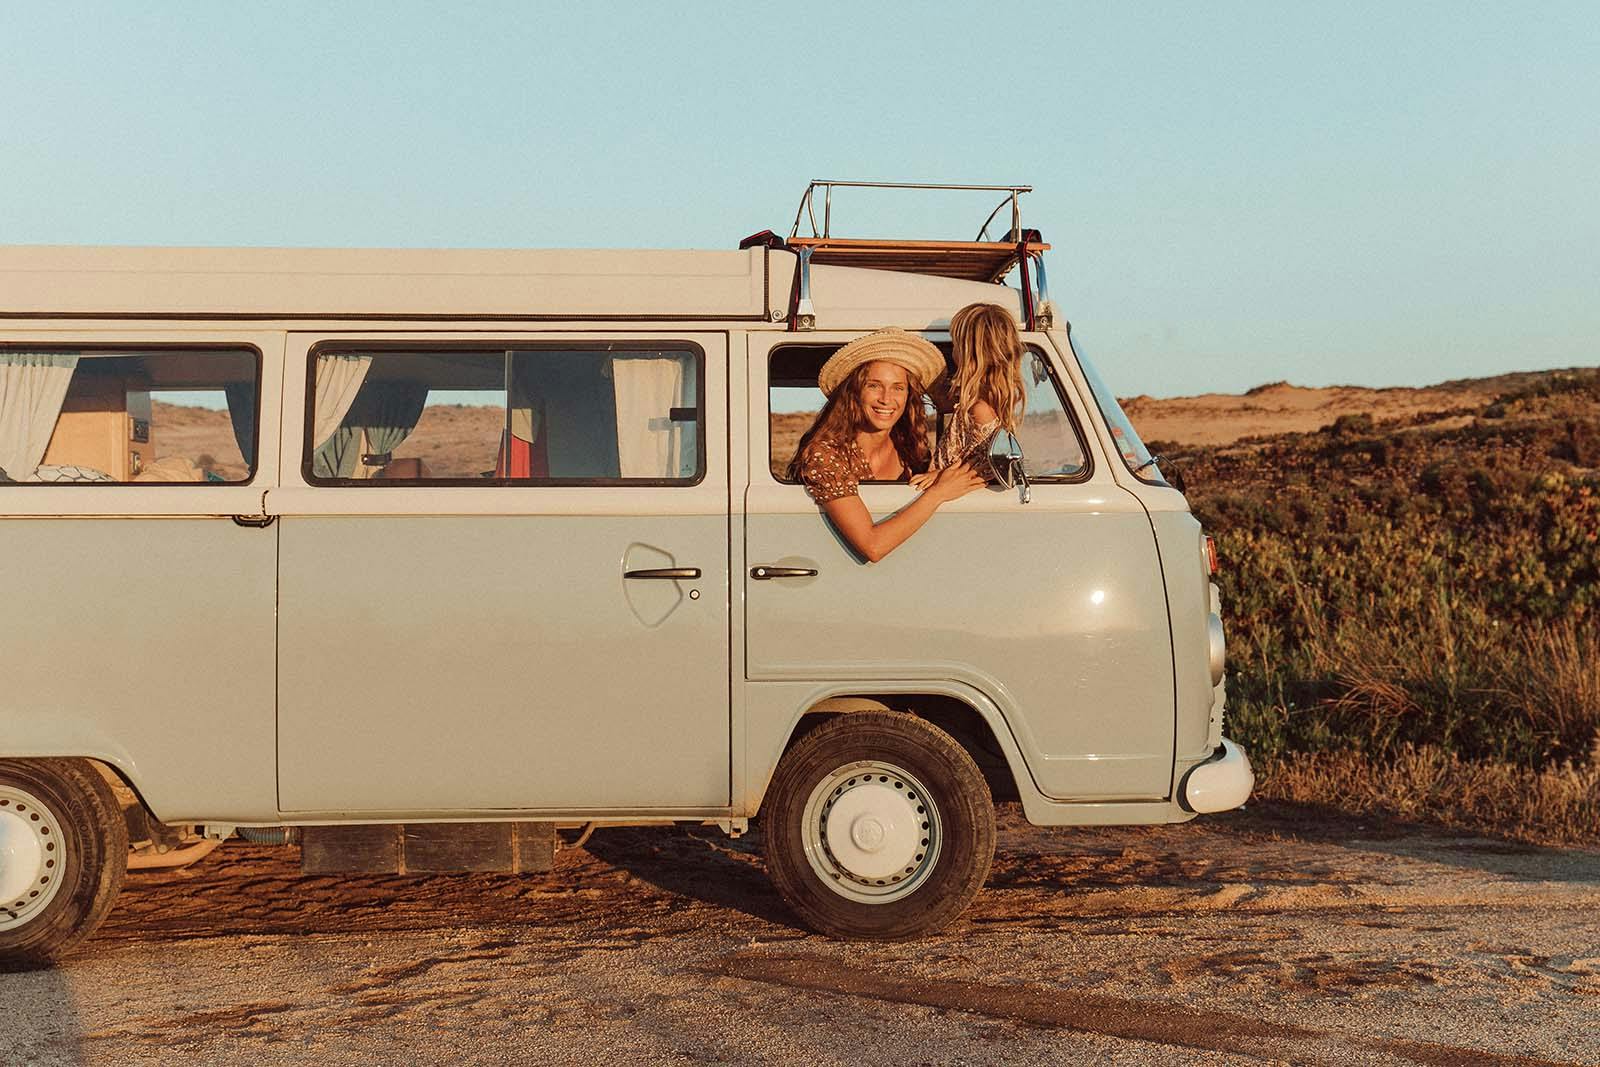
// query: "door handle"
[[765, 573], [664, 572]]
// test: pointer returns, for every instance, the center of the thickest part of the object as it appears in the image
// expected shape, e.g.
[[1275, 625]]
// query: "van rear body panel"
[[153, 640]]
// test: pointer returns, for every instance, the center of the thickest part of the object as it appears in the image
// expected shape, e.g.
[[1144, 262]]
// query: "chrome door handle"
[[664, 572], [764, 573]]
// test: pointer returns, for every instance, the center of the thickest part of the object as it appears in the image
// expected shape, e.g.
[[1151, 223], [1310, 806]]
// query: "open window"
[[1052, 447], [794, 401]]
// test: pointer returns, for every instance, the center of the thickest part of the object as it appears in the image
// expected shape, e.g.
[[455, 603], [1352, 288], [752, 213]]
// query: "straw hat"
[[916, 354]]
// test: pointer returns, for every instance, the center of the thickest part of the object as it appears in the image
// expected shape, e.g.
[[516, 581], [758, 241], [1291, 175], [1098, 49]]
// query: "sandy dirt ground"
[[1274, 935]]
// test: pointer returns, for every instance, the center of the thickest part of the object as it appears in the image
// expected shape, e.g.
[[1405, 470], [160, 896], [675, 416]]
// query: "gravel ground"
[[1276, 935]]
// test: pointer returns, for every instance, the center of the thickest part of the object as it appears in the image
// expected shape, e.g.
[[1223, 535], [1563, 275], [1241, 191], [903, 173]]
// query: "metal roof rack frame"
[[981, 259]]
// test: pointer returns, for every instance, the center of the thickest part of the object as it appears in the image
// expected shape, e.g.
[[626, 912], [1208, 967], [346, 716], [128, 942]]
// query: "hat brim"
[[923, 361]]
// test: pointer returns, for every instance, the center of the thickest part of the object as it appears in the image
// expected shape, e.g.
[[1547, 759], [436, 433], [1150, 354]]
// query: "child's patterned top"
[[963, 440]]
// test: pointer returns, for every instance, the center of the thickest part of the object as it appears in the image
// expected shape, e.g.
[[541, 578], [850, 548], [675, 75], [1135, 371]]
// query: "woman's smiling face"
[[885, 390]]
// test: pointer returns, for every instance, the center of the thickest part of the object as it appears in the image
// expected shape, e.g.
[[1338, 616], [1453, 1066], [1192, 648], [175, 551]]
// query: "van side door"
[[503, 580], [1054, 609]]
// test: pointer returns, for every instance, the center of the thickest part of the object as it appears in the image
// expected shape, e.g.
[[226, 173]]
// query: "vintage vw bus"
[[420, 557]]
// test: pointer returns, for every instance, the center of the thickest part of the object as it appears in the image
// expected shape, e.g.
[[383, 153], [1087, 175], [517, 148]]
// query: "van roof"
[[74, 282]]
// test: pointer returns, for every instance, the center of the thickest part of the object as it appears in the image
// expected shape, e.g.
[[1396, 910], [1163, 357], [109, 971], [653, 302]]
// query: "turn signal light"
[[1211, 556]]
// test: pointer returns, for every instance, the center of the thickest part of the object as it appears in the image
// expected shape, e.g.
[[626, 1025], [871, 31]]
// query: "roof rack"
[[983, 259]]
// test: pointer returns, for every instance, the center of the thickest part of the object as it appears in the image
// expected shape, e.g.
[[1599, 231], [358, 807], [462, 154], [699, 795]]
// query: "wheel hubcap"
[[30, 857], [872, 832]]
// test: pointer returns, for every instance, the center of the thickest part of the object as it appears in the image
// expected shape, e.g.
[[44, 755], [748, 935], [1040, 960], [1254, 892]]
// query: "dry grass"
[[1559, 684], [1560, 805], [1452, 675]]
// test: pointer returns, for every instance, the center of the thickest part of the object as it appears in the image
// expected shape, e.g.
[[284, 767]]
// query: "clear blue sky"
[[1378, 194]]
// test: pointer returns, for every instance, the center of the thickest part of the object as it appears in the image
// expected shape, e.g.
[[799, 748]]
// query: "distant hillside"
[[1278, 407]]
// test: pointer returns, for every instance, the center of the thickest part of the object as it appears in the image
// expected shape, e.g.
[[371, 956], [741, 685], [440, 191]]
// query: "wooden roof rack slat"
[[980, 261]]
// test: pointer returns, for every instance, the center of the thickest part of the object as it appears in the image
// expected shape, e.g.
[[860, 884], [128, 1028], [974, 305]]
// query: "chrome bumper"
[[1222, 782]]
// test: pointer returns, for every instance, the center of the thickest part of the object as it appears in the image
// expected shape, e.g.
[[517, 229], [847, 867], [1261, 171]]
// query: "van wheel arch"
[[141, 821], [961, 720]]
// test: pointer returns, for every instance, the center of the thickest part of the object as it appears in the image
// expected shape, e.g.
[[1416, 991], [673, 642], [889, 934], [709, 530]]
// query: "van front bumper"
[[1222, 782]]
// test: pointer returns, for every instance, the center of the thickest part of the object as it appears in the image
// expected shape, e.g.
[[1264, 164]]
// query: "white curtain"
[[649, 443], [32, 388], [339, 378]]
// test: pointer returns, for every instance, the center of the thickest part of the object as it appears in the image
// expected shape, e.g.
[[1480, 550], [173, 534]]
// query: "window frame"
[[320, 348], [104, 347], [1033, 348]]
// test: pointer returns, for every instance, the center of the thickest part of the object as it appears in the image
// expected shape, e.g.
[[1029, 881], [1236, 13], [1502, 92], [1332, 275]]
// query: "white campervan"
[[417, 557]]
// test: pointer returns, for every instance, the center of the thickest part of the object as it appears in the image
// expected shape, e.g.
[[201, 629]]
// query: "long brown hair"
[[843, 415], [988, 357]]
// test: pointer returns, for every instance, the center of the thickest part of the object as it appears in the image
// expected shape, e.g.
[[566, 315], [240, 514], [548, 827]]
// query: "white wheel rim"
[[871, 832], [31, 857]]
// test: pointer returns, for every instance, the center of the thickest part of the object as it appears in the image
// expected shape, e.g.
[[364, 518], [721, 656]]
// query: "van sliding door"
[[503, 579]]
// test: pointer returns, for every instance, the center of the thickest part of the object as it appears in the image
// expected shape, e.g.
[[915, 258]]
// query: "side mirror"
[[1005, 465]]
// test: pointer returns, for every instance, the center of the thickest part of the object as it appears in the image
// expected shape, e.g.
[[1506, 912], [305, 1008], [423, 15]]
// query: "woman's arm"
[[876, 540]]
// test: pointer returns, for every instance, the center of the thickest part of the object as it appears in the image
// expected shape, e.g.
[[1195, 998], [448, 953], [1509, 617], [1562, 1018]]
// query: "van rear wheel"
[[878, 826], [63, 852]]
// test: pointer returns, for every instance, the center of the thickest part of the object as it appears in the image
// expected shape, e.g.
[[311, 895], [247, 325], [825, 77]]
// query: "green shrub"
[[1445, 600]]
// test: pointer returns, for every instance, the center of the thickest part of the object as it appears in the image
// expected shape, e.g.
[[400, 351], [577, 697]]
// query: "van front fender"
[[775, 711]]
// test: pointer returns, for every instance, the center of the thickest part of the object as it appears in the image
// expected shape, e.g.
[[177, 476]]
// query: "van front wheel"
[[63, 851], [878, 826]]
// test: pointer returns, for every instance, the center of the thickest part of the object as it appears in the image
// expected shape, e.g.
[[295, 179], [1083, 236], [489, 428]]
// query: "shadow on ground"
[[698, 863], [1496, 854]]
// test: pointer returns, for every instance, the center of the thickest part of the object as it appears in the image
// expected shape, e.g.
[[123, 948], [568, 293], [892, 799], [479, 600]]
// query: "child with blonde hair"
[[985, 394]]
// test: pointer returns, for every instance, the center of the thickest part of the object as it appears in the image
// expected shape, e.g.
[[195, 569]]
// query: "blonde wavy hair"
[[988, 358]]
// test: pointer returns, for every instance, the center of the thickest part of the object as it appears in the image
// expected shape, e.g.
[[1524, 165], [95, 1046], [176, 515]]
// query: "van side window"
[[151, 416], [794, 401], [1051, 447], [606, 414]]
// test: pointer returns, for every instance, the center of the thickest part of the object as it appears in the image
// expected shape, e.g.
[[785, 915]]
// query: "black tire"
[[938, 777], [92, 849]]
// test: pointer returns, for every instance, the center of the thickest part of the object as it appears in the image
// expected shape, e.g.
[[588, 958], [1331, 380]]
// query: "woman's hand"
[[952, 483], [921, 481]]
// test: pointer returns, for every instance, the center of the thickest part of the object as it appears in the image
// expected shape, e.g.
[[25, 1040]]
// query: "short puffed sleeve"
[[830, 473]]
